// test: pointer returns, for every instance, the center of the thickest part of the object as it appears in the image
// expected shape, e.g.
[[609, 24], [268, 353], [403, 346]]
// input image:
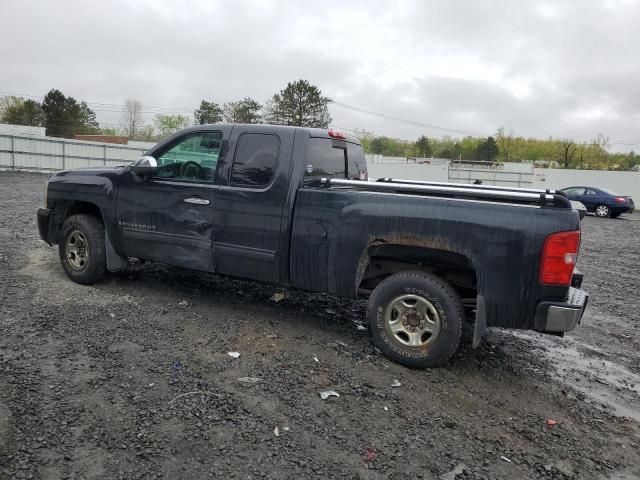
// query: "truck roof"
[[313, 132]]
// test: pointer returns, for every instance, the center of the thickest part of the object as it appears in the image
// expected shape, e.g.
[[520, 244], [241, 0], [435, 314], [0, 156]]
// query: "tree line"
[[505, 146], [300, 103], [63, 116]]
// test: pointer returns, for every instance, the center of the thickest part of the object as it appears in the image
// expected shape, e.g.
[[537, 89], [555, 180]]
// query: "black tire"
[[88, 263], [615, 215], [602, 211], [425, 289]]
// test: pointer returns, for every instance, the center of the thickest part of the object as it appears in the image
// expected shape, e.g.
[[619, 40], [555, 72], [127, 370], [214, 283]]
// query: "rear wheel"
[[81, 248], [603, 211], [416, 319]]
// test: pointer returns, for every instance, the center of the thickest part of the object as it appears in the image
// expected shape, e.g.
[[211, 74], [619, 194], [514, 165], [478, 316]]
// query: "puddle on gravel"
[[599, 379]]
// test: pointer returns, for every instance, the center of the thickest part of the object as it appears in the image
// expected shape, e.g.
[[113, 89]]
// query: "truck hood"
[[87, 172]]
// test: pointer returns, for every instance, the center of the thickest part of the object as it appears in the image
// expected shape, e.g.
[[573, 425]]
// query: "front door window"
[[193, 157]]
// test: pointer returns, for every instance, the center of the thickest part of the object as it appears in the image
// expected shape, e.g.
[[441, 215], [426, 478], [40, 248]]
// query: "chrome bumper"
[[557, 317]]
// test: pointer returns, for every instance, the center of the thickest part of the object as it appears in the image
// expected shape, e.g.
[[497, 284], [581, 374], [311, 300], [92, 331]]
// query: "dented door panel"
[[157, 220]]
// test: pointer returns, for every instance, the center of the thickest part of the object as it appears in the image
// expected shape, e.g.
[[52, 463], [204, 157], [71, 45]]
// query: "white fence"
[[624, 183], [47, 153], [20, 152]]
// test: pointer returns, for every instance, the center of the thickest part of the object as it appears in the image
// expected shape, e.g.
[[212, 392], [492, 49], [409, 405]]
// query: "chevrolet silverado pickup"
[[294, 207]]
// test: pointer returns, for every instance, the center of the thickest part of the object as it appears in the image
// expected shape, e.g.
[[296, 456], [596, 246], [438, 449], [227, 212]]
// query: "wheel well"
[[386, 260], [64, 210]]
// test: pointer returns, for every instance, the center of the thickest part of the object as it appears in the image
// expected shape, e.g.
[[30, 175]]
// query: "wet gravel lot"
[[131, 378]]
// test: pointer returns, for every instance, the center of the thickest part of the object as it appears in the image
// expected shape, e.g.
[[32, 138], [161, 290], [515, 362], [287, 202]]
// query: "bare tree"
[[599, 146], [131, 117], [505, 141], [568, 149], [580, 153]]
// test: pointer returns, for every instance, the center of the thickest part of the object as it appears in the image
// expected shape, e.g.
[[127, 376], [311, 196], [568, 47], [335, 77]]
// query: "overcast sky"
[[562, 69]]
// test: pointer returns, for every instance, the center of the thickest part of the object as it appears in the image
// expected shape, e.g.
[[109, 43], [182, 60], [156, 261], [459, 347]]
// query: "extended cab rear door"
[[249, 199]]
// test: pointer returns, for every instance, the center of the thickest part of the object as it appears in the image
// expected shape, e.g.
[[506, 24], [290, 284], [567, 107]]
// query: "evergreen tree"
[[243, 111], [208, 112], [299, 104]]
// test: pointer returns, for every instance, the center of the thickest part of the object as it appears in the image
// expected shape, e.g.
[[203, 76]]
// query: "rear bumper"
[[623, 209], [44, 215], [557, 317]]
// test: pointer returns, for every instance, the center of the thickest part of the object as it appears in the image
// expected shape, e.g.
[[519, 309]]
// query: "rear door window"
[[255, 160]]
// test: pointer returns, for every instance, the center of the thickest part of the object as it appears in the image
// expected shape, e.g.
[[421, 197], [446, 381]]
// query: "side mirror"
[[144, 166]]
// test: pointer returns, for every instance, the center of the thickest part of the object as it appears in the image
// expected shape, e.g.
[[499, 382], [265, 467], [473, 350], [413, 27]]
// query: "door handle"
[[196, 201]]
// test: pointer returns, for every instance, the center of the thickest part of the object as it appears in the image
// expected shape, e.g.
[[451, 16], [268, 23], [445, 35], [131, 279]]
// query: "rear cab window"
[[330, 158]]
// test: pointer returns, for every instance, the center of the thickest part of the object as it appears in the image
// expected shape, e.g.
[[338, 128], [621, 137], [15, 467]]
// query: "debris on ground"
[[276, 432], [396, 383], [278, 296], [183, 303], [502, 457], [233, 354], [249, 379], [328, 393], [315, 358], [551, 422], [369, 454], [458, 470]]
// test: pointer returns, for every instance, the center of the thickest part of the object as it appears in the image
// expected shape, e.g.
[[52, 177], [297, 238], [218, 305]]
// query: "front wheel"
[[416, 319], [82, 250], [603, 211]]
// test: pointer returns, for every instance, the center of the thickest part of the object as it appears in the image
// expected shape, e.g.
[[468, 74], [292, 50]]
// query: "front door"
[[169, 216]]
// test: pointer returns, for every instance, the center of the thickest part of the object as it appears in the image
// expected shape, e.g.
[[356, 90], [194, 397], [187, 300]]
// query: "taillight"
[[337, 135], [559, 256], [620, 200]]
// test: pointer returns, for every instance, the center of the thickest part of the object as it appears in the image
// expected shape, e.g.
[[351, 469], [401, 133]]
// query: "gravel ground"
[[131, 378]]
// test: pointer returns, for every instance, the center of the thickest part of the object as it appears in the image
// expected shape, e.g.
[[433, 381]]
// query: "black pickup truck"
[[294, 207]]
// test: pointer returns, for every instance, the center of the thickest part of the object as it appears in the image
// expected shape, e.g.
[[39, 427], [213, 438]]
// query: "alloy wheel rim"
[[77, 250], [602, 211], [412, 321]]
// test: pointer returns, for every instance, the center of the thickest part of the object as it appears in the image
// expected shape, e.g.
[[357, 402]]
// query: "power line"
[[452, 130], [116, 108], [109, 107], [404, 121]]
